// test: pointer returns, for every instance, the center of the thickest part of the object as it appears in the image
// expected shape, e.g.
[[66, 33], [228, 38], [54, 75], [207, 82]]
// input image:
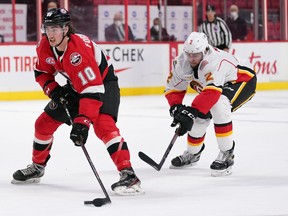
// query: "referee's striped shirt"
[[217, 32]]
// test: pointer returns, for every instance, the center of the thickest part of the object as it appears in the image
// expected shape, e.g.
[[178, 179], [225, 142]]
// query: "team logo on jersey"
[[75, 59], [50, 60], [196, 86]]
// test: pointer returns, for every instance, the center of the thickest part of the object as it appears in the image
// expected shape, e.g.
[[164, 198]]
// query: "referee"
[[216, 29]]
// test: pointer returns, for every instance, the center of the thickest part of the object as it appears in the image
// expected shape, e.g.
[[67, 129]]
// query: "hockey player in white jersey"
[[224, 83]]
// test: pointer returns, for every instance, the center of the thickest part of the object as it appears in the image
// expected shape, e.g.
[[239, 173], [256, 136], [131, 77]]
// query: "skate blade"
[[29, 181], [129, 191], [182, 167], [225, 172]]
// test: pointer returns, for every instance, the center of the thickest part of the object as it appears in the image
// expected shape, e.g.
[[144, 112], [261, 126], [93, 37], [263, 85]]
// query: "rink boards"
[[142, 68]]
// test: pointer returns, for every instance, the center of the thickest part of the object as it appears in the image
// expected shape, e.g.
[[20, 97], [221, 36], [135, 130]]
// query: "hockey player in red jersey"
[[224, 83], [91, 94]]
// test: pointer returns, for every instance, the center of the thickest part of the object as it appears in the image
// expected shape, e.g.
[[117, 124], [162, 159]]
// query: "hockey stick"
[[98, 201], [151, 162]]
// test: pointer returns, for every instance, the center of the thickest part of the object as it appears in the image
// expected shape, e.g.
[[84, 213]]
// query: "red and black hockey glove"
[[80, 129], [57, 93], [183, 115]]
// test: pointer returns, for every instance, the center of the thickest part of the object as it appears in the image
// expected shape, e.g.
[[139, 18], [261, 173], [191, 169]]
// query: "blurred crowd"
[[238, 15]]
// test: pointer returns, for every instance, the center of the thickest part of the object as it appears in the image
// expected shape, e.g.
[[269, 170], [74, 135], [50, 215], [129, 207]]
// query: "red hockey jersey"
[[83, 64]]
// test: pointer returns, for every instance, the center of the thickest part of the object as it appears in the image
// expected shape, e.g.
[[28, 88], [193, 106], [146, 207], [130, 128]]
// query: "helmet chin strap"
[[61, 40], [63, 36]]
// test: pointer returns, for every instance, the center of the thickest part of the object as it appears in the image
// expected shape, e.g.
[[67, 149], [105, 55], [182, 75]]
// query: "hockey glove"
[[184, 116], [175, 109], [57, 93], [80, 129]]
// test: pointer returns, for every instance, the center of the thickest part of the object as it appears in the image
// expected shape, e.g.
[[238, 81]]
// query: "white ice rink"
[[257, 187]]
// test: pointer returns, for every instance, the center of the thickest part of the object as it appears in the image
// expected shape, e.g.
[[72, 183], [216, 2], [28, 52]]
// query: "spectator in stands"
[[236, 24], [250, 33], [116, 31], [154, 31], [49, 4], [216, 29], [1, 38], [52, 4]]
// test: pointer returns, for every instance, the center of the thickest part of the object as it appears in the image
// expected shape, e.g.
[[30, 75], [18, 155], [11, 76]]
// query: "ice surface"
[[257, 187]]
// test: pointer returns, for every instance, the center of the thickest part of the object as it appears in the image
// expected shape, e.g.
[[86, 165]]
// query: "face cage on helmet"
[[62, 25], [55, 23], [186, 48], [188, 57], [204, 52], [186, 52]]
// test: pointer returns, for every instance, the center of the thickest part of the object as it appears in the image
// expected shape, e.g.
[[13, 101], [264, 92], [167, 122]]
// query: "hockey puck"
[[98, 202]]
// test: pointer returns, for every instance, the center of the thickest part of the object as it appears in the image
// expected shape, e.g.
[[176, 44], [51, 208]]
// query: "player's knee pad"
[[221, 111], [105, 128], [45, 126], [199, 127], [113, 137]]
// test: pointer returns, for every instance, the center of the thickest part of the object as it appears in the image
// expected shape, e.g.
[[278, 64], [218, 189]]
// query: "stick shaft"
[[95, 171], [89, 159], [151, 162]]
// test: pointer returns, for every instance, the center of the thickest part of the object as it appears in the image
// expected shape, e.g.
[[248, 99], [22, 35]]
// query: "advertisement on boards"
[[269, 66], [137, 65], [141, 65]]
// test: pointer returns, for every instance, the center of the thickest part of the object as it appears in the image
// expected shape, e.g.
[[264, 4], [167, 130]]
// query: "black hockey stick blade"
[[98, 202], [149, 160]]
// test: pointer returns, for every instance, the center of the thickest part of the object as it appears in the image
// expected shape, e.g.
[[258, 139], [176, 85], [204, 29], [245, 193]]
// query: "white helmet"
[[196, 42]]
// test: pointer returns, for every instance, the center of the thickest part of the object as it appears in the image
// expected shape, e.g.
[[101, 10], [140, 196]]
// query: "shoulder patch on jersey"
[[196, 86], [50, 61], [203, 64], [75, 59]]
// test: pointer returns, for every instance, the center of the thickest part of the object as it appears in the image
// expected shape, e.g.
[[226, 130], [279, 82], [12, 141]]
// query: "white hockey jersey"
[[217, 69]]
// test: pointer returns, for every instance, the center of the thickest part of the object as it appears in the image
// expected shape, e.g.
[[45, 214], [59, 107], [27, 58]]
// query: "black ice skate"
[[129, 184], [186, 159], [222, 166], [31, 174]]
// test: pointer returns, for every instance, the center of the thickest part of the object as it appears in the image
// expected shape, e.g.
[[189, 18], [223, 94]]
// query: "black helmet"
[[210, 7], [56, 17]]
